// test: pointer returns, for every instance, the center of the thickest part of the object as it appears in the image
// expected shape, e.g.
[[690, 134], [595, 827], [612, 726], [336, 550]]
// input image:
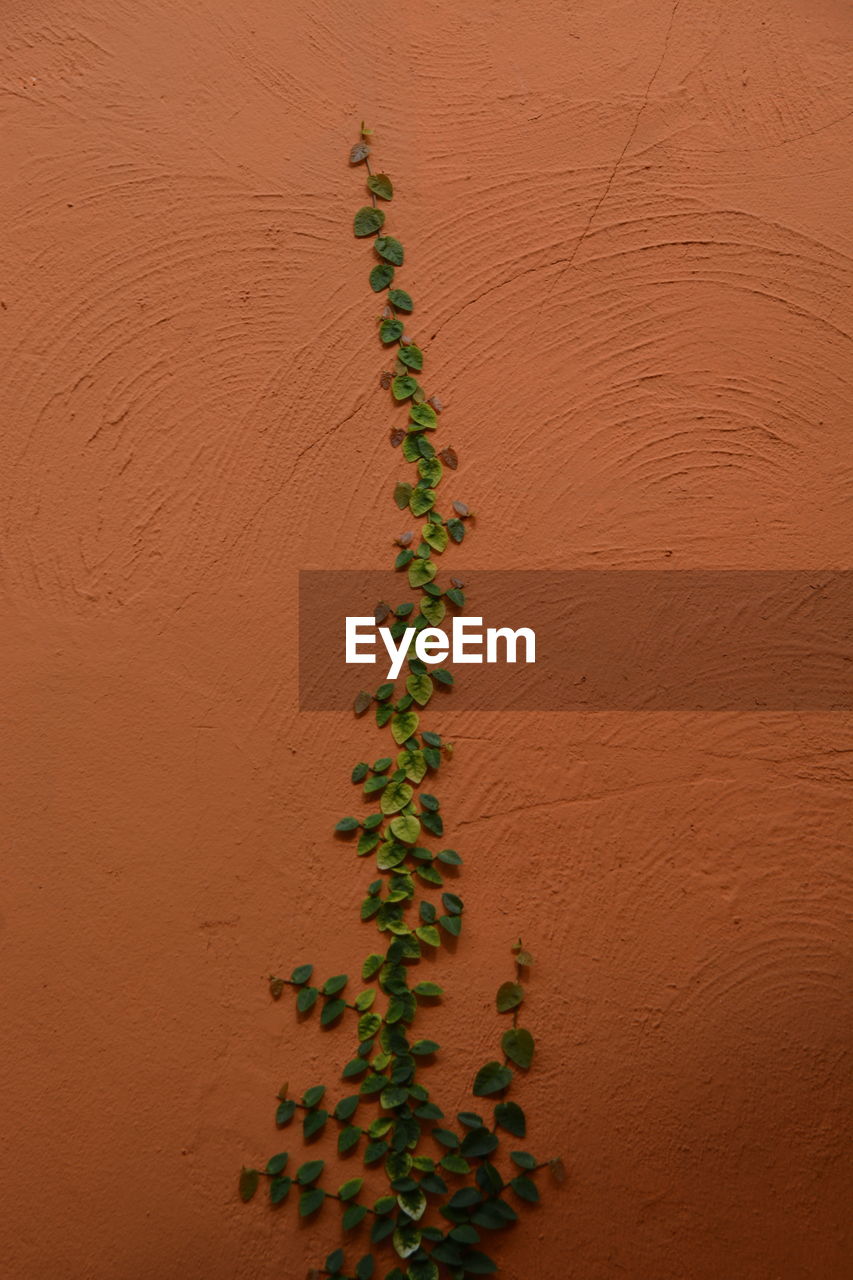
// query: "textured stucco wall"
[[629, 235]]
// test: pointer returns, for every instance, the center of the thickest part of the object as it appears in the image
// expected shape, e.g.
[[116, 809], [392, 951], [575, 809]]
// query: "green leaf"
[[413, 763], [420, 687], [359, 773], [364, 1268], [452, 924], [526, 1188], [403, 725], [306, 999], [450, 857], [351, 1188], [434, 823], [509, 1116], [421, 572], [406, 1240], [332, 1010], [311, 1097], [353, 1215], [492, 1078], [456, 597], [380, 184], [452, 904], [435, 535], [400, 299], [443, 676], [355, 1067], [371, 966], [422, 1048], [479, 1264], [413, 1203], [284, 1113], [455, 1163], [421, 501], [276, 1164], [390, 249], [335, 1262], [403, 386], [311, 1201], [518, 1045], [347, 1107], [433, 610], [348, 1138], [381, 276], [429, 934], [428, 989], [412, 357], [402, 494], [279, 1187], [423, 416], [406, 828], [397, 794], [368, 221], [368, 1026], [313, 1122], [248, 1184], [478, 1143], [347, 824], [456, 529], [309, 1172], [332, 986], [364, 1000], [510, 995], [391, 330], [301, 974], [523, 1159]]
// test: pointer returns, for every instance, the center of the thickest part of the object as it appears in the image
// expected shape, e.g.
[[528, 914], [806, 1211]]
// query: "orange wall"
[[629, 237]]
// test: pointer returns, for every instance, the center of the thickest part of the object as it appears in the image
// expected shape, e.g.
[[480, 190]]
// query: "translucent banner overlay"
[[607, 640]]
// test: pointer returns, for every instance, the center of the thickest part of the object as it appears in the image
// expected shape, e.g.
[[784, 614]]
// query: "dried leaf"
[[436, 403], [461, 509], [449, 456], [381, 612], [359, 153], [419, 397], [405, 539], [362, 702], [457, 583], [406, 340], [558, 1170], [396, 436], [277, 985], [386, 377]]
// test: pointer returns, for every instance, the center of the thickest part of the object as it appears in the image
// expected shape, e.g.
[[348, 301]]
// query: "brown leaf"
[[276, 987], [387, 313], [359, 153], [406, 340], [381, 612], [397, 436], [419, 397], [450, 457], [282, 1093], [405, 539], [386, 377], [558, 1170], [457, 583], [362, 702], [461, 509], [436, 403]]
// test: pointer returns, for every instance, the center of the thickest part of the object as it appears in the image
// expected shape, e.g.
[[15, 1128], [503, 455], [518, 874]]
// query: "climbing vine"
[[449, 1187]]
